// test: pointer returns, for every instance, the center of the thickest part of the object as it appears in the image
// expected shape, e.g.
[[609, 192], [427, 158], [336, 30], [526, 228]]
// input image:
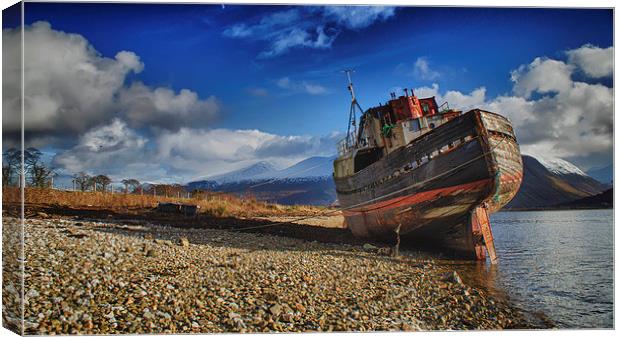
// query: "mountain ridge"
[[547, 182]]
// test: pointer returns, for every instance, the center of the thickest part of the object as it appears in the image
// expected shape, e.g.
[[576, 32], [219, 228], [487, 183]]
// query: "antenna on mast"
[[349, 72], [352, 127]]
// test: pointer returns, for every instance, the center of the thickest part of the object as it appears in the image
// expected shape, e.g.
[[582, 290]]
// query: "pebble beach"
[[98, 277]]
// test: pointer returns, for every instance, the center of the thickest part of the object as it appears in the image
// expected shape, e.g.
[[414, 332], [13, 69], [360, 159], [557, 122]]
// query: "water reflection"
[[556, 262]]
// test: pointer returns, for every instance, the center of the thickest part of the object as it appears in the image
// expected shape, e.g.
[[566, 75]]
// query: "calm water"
[[556, 262]]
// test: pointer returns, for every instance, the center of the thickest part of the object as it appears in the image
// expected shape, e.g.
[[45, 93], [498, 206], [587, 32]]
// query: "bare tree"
[[177, 190], [11, 161], [40, 174], [83, 181], [102, 182], [133, 183]]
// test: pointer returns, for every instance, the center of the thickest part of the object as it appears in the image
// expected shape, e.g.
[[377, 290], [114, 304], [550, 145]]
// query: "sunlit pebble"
[[107, 282]]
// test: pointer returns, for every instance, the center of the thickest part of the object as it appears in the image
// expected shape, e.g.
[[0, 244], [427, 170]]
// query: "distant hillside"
[[547, 182], [601, 200], [308, 182], [294, 191], [307, 168], [544, 187], [262, 168], [603, 174]]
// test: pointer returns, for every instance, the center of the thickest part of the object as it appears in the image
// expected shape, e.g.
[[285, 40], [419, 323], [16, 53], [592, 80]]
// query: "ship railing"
[[345, 145], [444, 107]]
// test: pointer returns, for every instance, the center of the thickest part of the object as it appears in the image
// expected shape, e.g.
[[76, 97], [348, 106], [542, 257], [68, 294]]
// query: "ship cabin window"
[[414, 125], [425, 108]]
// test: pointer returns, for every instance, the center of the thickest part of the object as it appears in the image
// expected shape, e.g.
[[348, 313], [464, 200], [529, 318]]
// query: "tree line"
[[37, 174]]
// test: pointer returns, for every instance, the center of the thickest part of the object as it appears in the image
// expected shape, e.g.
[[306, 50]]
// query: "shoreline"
[[287, 284]]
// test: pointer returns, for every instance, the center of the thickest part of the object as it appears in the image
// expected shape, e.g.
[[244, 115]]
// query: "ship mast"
[[352, 127]]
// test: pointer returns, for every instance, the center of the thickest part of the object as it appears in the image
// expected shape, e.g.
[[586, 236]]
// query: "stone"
[[184, 242], [183, 291], [453, 277], [151, 253], [275, 309], [368, 246], [32, 293], [300, 307]]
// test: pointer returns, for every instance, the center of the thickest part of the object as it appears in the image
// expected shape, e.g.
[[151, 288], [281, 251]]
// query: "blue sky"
[[276, 69]]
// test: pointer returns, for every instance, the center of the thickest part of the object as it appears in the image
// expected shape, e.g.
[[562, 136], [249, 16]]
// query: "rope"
[[381, 197]]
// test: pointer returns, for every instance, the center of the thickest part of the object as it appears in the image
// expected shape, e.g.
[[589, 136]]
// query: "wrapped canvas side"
[[12, 171]]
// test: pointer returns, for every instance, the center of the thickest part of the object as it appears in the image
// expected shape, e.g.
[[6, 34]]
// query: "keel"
[[482, 234]]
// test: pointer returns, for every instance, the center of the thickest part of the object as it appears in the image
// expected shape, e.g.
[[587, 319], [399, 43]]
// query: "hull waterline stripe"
[[413, 199]]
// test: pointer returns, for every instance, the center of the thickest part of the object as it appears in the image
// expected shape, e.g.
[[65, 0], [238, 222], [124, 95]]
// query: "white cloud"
[[301, 86], [518, 109], [455, 99], [568, 118], [594, 61], [306, 27], [117, 150], [299, 38], [238, 30], [314, 89], [112, 149], [68, 85], [258, 92], [202, 153], [130, 130], [357, 17], [70, 88], [422, 70], [542, 76], [162, 107]]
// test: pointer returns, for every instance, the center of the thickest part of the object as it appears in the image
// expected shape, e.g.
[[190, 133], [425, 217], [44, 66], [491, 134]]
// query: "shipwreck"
[[430, 174]]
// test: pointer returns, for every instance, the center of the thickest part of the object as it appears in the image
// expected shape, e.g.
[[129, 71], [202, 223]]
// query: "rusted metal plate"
[[481, 217]]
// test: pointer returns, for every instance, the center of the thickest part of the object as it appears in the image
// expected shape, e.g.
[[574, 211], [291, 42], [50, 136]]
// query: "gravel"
[[101, 278]]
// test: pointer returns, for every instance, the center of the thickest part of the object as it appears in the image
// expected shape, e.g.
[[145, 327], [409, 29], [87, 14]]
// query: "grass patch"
[[211, 203]]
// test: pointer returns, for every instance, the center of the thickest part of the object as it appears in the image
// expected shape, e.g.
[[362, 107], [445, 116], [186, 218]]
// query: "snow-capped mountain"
[[306, 182], [313, 167], [251, 172], [549, 182], [558, 165], [308, 168]]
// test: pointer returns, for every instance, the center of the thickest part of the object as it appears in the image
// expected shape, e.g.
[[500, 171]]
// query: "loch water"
[[554, 264]]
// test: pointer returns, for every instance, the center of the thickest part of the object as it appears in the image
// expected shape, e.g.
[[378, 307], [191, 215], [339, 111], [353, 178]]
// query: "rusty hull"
[[440, 188]]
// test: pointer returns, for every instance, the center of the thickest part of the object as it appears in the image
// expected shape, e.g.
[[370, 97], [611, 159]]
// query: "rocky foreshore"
[[102, 277]]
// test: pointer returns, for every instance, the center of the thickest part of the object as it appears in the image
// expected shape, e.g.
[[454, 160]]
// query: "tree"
[[39, 173], [177, 190], [133, 183], [102, 182], [83, 181], [168, 190], [11, 162], [40, 176]]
